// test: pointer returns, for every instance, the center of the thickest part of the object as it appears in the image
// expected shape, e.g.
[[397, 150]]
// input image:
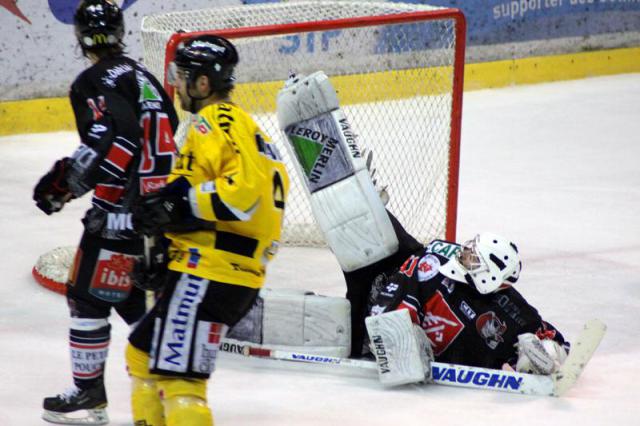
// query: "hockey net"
[[397, 69]]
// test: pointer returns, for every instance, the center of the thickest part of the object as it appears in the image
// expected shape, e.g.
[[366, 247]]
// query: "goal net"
[[397, 69]]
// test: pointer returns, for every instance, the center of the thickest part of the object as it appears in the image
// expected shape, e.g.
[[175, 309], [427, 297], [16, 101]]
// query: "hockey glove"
[[52, 191], [168, 210], [538, 356], [150, 271]]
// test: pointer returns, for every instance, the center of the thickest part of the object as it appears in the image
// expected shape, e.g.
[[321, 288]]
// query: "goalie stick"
[[556, 384]]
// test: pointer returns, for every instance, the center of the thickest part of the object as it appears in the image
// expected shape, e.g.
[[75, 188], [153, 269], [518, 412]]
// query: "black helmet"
[[208, 55], [99, 24]]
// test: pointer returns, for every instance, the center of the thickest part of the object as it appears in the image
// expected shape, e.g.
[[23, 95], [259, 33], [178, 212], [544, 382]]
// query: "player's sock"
[[89, 345]]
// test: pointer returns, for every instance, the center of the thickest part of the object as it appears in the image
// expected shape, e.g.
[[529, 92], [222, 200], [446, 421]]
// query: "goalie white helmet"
[[489, 262]]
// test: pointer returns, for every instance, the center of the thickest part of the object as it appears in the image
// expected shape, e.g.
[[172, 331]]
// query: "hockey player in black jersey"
[[462, 297], [126, 123]]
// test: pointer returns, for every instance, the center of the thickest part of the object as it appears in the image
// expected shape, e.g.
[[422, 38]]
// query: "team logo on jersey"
[[111, 279], [147, 91], [491, 329], [149, 184], [467, 311], [201, 124], [194, 258], [428, 267], [440, 323]]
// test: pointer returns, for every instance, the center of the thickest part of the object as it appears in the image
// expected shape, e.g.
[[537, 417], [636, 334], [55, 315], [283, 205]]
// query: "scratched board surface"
[[553, 166]]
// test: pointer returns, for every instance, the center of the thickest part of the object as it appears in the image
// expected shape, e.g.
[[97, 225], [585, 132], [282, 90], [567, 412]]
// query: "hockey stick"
[[149, 295], [556, 384], [581, 351]]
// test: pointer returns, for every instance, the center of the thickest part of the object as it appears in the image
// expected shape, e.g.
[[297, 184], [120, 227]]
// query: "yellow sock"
[[185, 402], [146, 406]]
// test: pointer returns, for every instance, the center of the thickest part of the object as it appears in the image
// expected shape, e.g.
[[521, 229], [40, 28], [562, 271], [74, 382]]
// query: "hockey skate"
[[77, 407]]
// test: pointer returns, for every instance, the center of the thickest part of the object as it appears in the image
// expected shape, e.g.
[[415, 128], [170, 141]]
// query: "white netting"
[[52, 268], [394, 82]]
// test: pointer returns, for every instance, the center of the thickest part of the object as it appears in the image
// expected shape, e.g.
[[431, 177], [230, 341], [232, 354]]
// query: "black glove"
[[150, 271], [52, 191], [165, 210]]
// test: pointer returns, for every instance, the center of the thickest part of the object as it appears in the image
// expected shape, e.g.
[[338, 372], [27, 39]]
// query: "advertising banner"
[[39, 55], [506, 21]]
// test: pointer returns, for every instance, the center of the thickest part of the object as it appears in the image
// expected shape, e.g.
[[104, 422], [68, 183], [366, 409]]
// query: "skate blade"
[[96, 416]]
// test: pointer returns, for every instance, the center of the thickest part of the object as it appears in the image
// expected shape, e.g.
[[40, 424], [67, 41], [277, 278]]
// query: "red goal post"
[[398, 70]]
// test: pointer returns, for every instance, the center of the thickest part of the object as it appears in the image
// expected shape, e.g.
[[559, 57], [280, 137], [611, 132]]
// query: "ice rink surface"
[[556, 167]]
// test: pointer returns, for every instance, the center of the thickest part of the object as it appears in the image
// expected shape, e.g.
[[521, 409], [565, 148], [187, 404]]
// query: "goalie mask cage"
[[397, 69]]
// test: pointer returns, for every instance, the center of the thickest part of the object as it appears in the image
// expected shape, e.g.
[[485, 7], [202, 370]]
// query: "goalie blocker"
[[343, 199]]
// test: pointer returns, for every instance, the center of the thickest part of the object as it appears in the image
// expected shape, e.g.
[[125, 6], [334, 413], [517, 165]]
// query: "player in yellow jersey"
[[222, 214]]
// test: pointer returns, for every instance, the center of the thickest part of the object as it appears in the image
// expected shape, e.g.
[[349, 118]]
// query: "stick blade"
[[581, 351]]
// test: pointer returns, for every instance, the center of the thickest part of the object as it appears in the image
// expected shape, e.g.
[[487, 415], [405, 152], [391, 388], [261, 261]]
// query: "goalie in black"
[[460, 298], [126, 122]]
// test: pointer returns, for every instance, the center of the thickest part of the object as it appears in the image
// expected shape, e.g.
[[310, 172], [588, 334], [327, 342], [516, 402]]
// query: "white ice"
[[553, 166]]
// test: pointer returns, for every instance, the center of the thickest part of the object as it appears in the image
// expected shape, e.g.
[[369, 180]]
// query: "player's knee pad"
[[185, 402], [187, 411], [146, 406]]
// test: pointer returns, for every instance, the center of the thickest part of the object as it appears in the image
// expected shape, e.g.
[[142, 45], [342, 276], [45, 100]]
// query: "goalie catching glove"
[[539, 356], [52, 191]]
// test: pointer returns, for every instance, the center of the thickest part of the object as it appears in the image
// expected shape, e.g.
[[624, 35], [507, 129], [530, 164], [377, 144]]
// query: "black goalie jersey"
[[464, 326], [126, 124]]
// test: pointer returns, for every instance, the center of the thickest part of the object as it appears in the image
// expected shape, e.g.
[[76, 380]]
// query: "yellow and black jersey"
[[240, 185]]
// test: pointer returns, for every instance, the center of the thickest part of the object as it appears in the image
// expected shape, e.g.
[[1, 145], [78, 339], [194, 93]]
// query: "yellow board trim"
[[54, 114], [36, 116]]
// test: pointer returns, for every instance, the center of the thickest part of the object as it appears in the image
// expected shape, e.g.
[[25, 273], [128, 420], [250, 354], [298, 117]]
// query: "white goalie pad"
[[402, 350], [344, 201], [299, 321]]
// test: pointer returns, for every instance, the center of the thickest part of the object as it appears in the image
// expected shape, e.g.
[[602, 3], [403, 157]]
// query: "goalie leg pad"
[[297, 320], [403, 354], [343, 198]]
